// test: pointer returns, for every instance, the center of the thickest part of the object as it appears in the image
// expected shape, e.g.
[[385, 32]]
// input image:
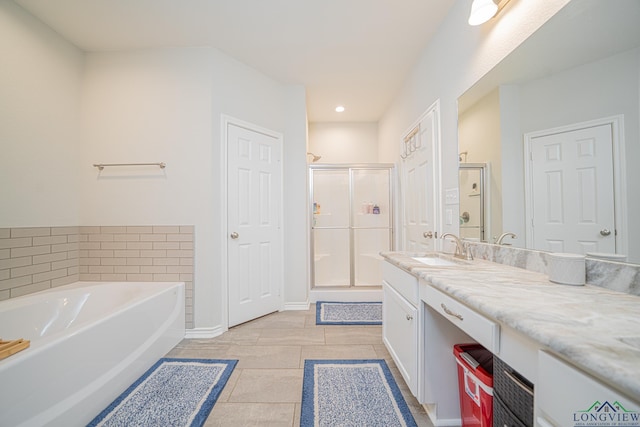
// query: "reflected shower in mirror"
[[581, 68], [473, 203]]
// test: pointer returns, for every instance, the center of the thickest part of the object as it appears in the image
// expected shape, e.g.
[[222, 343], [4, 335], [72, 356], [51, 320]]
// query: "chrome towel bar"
[[101, 166]]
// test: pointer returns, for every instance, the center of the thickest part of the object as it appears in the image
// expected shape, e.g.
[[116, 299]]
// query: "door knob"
[[605, 232], [234, 235], [428, 235]]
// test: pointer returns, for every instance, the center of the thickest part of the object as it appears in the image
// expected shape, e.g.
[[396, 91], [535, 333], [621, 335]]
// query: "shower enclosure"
[[351, 223], [473, 178]]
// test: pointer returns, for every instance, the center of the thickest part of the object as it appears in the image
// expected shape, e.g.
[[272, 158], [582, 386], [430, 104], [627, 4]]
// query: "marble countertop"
[[596, 329]]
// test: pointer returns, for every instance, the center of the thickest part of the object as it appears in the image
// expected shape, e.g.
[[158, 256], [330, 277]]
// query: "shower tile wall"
[[34, 259]]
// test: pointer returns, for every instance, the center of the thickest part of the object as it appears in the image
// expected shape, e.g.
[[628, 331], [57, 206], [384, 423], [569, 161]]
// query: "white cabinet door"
[[567, 397], [400, 334]]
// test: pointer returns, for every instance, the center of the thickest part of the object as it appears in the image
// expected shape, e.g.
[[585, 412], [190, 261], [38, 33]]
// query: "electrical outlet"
[[448, 217]]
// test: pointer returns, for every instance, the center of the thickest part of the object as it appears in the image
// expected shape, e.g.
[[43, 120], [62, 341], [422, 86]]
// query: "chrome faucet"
[[503, 235], [462, 249]]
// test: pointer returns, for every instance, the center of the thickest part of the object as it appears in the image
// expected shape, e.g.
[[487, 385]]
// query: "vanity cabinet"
[[574, 381], [483, 330], [566, 396], [448, 322], [401, 322]]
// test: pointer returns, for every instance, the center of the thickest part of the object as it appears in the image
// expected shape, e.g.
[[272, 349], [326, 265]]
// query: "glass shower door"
[[331, 228], [351, 224], [371, 223]]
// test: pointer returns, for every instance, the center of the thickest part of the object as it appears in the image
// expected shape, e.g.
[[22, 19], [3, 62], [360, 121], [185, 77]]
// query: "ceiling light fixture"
[[339, 109], [482, 11]]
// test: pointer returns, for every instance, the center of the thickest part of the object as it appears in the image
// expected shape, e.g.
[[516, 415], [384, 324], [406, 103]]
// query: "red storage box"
[[475, 384]]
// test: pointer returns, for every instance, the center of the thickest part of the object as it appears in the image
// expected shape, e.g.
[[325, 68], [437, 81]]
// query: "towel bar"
[[101, 166]]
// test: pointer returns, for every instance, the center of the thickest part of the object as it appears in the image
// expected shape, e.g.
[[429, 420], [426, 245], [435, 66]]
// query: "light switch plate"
[[449, 217], [451, 196]]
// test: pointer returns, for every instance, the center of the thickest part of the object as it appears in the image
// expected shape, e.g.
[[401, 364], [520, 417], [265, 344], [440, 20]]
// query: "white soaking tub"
[[89, 342]]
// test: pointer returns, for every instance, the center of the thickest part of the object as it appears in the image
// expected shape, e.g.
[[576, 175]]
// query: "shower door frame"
[[350, 168]]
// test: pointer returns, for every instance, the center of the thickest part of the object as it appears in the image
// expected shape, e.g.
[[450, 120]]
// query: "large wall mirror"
[[558, 123]]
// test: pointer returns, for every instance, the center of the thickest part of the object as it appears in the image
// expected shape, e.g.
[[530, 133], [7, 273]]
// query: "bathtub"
[[89, 342]]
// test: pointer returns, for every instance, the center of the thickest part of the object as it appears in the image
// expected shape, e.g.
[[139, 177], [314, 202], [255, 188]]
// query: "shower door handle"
[[234, 235]]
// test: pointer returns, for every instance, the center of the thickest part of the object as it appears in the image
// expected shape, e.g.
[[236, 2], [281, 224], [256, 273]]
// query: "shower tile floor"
[[265, 389]]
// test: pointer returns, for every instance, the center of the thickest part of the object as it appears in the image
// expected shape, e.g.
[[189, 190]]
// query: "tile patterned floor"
[[265, 389]]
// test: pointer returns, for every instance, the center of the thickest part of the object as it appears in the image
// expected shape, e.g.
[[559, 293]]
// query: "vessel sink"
[[438, 260]]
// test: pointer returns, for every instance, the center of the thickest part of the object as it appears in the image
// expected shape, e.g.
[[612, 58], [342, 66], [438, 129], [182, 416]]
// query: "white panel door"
[[254, 245], [573, 191], [419, 189]]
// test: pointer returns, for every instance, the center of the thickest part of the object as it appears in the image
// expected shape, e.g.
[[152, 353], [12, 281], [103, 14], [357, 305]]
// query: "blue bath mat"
[[173, 392], [352, 393], [348, 313]]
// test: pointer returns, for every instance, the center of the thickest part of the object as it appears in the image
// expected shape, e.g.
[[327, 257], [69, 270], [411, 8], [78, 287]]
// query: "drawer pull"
[[409, 317], [450, 313], [518, 382]]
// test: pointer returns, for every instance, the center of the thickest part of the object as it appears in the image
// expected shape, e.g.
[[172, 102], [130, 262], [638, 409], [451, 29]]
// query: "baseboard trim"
[[439, 422], [290, 306], [345, 295], [204, 332]]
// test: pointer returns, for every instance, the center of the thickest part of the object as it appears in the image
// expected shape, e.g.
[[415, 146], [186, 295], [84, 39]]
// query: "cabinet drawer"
[[404, 283], [567, 396], [478, 327]]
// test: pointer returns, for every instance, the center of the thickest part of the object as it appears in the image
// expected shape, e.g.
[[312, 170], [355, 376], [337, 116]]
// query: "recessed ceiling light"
[[339, 109]]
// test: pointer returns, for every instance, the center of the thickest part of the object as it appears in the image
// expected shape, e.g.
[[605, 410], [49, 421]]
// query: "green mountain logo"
[[606, 407], [606, 414]]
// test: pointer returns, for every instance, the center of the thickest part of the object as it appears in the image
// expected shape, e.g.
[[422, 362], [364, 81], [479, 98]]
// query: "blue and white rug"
[[173, 392], [352, 393], [348, 313]]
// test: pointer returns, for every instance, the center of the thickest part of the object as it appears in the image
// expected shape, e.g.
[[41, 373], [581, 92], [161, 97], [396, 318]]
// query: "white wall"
[[40, 77], [296, 214], [344, 142], [166, 105], [454, 59]]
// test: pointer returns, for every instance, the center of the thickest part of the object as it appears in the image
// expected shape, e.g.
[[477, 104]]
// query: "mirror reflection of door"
[[472, 195], [571, 190]]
